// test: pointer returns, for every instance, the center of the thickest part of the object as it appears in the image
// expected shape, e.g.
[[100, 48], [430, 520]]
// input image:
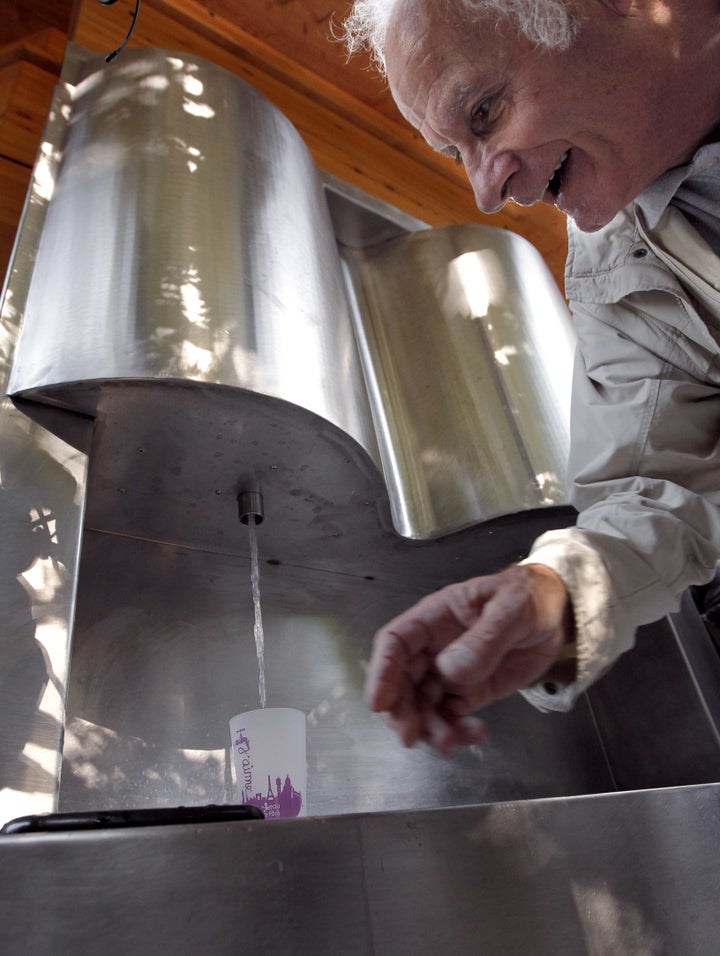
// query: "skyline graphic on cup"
[[269, 756]]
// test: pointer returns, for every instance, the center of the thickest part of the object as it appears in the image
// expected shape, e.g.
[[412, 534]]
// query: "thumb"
[[525, 609], [459, 663]]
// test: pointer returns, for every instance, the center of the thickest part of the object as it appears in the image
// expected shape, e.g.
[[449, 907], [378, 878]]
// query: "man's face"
[[583, 130]]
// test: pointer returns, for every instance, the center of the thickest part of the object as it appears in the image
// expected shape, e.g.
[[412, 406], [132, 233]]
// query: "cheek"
[[618, 178], [537, 120]]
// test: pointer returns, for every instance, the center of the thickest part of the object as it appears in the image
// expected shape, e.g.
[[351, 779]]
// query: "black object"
[[111, 56], [114, 819], [707, 602]]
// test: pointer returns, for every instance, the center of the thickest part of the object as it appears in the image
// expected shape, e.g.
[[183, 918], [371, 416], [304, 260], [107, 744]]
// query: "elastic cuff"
[[578, 563]]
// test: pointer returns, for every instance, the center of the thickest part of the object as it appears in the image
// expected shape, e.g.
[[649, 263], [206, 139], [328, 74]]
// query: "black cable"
[[111, 56]]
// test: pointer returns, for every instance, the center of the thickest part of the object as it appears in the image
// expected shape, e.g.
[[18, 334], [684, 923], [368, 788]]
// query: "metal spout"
[[250, 505]]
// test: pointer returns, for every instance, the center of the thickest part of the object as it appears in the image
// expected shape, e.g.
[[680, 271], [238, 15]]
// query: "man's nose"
[[488, 177]]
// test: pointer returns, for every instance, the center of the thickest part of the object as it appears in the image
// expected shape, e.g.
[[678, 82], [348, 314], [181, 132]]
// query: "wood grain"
[[14, 181]]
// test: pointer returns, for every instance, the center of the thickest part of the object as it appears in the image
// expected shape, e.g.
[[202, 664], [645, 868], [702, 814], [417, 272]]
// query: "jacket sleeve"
[[646, 464]]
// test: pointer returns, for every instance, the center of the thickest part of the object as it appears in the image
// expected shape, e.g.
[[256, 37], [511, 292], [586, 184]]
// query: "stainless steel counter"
[[627, 874]]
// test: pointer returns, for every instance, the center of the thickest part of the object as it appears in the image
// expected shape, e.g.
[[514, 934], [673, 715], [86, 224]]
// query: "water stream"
[[258, 627]]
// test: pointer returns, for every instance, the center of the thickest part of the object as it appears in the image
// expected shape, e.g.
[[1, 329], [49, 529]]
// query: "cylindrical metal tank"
[[187, 239]]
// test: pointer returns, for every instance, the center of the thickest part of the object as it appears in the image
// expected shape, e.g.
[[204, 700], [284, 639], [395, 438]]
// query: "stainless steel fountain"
[[195, 312]]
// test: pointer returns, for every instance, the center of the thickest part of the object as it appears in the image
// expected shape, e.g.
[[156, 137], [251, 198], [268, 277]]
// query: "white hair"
[[551, 24]]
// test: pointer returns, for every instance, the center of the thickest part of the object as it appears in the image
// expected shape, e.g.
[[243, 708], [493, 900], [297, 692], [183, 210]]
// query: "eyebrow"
[[457, 99], [460, 96]]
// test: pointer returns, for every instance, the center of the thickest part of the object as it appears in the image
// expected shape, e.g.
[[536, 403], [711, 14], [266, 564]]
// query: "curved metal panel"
[[43, 483], [467, 347], [188, 238]]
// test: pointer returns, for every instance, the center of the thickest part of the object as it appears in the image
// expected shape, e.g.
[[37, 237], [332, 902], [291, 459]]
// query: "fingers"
[[425, 709], [518, 669], [524, 611], [407, 722], [390, 672], [408, 645], [470, 730], [431, 712], [412, 715], [405, 649], [478, 652], [463, 647], [443, 732]]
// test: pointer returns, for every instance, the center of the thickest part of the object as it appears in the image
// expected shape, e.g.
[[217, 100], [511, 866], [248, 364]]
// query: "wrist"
[[563, 670], [553, 604]]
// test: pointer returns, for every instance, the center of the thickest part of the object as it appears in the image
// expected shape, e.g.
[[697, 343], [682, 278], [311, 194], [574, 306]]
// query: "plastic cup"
[[270, 762]]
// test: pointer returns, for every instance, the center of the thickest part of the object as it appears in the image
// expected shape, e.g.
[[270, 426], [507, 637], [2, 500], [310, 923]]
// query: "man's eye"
[[480, 114]]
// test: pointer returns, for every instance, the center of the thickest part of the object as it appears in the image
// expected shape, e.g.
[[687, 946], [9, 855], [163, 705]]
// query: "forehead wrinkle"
[[448, 100], [433, 108]]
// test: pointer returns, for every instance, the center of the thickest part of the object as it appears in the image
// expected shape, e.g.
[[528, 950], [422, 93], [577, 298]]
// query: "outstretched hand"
[[463, 647]]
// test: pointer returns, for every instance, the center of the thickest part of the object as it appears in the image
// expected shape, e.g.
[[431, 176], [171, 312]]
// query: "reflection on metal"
[[163, 652], [42, 484], [42, 493], [632, 874], [208, 333], [467, 349], [188, 240]]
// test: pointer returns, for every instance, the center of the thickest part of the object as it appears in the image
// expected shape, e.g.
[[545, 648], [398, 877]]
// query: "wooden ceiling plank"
[[25, 94]]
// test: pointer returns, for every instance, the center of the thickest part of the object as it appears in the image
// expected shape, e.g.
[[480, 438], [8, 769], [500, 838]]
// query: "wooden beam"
[[29, 69], [25, 94], [14, 181], [22, 18]]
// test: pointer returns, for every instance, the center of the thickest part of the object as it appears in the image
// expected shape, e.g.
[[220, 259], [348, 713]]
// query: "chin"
[[591, 220], [587, 226], [590, 217]]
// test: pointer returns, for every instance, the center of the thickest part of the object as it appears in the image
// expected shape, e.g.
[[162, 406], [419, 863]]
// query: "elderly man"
[[609, 110]]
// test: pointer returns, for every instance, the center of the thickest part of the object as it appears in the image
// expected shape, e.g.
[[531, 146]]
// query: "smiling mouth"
[[556, 180]]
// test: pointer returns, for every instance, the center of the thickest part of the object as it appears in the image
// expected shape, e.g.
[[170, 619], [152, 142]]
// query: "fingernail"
[[456, 661], [475, 730]]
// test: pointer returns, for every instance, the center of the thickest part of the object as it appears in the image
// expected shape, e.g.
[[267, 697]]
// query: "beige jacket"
[[645, 434]]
